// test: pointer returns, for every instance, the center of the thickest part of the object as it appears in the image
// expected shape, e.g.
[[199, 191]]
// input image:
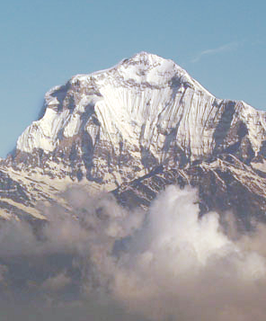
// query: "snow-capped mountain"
[[143, 116]]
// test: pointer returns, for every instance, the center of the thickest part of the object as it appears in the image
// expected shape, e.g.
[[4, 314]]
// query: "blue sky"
[[43, 43]]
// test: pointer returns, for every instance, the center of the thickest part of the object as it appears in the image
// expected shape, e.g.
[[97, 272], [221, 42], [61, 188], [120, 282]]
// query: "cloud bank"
[[101, 261]]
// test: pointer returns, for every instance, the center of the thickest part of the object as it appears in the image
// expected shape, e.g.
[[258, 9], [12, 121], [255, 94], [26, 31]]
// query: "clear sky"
[[221, 43]]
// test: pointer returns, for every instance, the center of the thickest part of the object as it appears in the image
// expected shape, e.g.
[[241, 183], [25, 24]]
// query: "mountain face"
[[126, 128]]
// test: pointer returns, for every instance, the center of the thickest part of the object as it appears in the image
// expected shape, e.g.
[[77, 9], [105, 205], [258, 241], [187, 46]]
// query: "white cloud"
[[186, 268], [167, 264], [224, 48], [57, 282]]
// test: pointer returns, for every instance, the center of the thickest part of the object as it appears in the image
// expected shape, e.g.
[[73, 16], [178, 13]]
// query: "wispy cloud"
[[224, 48]]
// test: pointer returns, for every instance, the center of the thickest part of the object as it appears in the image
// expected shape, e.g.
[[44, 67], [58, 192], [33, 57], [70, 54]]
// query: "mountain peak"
[[141, 67], [146, 56], [144, 121], [144, 112]]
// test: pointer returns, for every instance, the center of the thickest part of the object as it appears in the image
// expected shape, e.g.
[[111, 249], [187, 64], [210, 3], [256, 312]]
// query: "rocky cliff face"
[[145, 115]]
